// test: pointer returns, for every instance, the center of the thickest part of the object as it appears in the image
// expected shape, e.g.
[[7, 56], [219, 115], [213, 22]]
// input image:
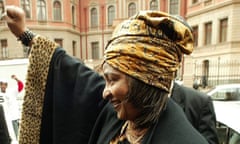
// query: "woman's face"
[[116, 90]]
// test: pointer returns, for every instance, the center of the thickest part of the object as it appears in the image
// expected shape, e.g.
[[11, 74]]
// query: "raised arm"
[[63, 97], [19, 83]]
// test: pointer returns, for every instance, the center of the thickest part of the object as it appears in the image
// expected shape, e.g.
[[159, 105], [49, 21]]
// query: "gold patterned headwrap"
[[149, 46]]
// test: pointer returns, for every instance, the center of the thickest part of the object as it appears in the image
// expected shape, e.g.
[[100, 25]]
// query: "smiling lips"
[[116, 104]]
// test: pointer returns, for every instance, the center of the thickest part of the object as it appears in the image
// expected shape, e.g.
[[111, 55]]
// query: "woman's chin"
[[121, 116]]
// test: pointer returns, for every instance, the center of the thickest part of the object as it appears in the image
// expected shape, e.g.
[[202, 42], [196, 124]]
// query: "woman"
[[140, 62]]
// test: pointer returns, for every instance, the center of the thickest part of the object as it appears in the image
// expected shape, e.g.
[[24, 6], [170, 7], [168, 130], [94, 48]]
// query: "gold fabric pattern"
[[39, 60], [149, 46]]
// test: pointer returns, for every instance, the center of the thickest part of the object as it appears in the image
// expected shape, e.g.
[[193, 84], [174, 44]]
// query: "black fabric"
[[172, 128], [199, 110], [4, 134], [72, 101]]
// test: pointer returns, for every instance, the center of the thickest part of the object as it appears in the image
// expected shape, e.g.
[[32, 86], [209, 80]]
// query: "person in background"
[[199, 109], [4, 134], [64, 95], [10, 99], [4, 84]]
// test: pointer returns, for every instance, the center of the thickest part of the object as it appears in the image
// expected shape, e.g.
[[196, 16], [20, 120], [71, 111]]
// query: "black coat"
[[172, 128], [4, 135], [198, 108], [72, 102]]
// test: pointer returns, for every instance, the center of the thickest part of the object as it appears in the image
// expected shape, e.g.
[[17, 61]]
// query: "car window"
[[226, 94]]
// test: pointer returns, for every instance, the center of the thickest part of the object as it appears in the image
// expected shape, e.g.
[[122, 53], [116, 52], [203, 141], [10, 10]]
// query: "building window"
[[73, 15], [4, 49], [174, 7], [25, 4], [95, 50], [59, 41], [131, 9], [111, 15], [223, 30], [154, 5], [194, 1], [57, 11], [195, 35], [205, 73], [41, 10], [94, 17], [208, 33], [74, 48], [1, 8]]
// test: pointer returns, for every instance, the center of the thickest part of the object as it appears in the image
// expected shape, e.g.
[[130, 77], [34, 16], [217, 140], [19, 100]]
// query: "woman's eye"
[[111, 80]]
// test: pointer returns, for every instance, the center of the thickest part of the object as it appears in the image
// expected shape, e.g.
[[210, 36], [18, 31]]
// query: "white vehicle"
[[228, 118], [226, 100], [227, 92]]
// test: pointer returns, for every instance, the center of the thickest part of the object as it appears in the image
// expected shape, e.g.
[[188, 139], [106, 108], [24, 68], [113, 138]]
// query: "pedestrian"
[[199, 109], [11, 103], [140, 61], [4, 134]]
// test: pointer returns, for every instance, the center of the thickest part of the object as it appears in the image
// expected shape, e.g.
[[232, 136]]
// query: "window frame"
[[208, 33], [41, 10], [111, 14], [155, 6], [26, 6], [223, 30], [174, 8], [132, 10], [95, 50], [57, 11], [94, 17]]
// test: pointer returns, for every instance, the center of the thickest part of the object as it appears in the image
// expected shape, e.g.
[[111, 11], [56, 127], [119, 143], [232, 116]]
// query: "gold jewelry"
[[134, 136]]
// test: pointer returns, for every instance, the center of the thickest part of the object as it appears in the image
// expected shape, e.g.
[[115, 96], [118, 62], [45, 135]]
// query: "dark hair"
[[149, 99]]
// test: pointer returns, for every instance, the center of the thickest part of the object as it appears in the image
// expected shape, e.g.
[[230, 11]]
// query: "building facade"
[[83, 28], [99, 17], [215, 59], [56, 19]]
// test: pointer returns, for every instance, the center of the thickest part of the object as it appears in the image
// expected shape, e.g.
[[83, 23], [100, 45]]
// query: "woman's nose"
[[106, 93]]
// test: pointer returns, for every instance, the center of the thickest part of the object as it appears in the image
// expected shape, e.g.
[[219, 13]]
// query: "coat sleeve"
[[199, 110], [62, 98], [207, 123]]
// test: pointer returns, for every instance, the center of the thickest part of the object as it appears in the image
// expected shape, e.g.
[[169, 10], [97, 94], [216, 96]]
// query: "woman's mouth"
[[116, 104]]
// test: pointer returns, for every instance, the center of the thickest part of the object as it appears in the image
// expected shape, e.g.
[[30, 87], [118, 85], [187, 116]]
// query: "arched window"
[[174, 7], [25, 4], [154, 5], [41, 10], [131, 9], [111, 15], [94, 17], [57, 12]]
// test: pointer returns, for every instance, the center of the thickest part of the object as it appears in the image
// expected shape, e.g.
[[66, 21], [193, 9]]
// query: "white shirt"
[[11, 103]]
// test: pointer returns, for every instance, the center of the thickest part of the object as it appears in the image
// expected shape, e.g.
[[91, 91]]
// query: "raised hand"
[[15, 18]]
